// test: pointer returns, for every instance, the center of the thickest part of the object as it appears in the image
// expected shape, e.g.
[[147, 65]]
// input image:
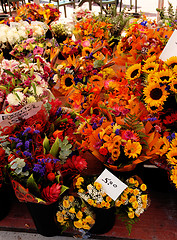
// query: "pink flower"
[[31, 40], [86, 43], [38, 50]]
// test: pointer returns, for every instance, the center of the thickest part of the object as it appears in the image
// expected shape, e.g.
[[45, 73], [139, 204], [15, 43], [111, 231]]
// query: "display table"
[[159, 222]]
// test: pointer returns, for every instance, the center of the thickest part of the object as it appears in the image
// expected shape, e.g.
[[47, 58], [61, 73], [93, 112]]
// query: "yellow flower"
[[66, 83], [131, 180], [144, 197], [154, 109], [132, 199], [171, 62], [108, 199], [90, 220], [66, 203], [155, 95], [86, 226], [162, 146], [172, 156], [132, 149], [59, 217], [72, 210], [135, 205], [144, 205], [143, 187], [131, 214], [78, 224], [115, 154], [118, 203], [124, 197], [97, 185], [81, 190], [71, 198], [164, 76], [90, 201], [150, 67], [79, 215], [133, 72], [103, 203], [173, 85], [136, 191], [136, 183]]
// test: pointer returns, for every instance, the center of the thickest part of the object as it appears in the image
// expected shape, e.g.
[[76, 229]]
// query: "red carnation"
[[51, 194], [103, 151]]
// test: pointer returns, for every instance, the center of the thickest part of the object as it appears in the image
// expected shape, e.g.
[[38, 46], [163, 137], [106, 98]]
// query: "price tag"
[[112, 186], [170, 49], [25, 112]]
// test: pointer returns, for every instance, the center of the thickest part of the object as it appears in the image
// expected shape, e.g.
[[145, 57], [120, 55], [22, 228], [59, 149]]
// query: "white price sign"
[[170, 49], [112, 186], [25, 112]]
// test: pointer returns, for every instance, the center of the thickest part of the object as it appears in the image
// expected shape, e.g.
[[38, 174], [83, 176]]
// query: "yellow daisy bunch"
[[74, 213]]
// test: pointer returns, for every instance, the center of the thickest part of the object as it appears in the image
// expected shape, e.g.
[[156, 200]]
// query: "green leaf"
[[3, 88], [32, 186], [58, 178], [46, 145], [63, 189], [34, 87], [8, 72], [55, 148], [13, 81]]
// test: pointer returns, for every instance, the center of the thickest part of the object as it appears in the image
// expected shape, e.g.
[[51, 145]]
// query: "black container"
[[44, 217], [105, 219], [5, 200]]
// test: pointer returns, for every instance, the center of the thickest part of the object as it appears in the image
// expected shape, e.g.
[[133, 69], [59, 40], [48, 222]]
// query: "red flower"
[[59, 134], [51, 194], [51, 176], [103, 151], [75, 163]]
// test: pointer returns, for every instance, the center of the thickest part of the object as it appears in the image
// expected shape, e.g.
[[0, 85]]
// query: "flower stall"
[[84, 106]]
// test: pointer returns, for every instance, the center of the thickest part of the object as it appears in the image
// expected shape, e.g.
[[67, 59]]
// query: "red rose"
[[103, 151]]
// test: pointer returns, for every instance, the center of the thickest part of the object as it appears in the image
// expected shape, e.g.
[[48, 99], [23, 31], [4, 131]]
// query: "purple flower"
[[117, 131], [27, 154], [36, 131], [38, 168], [19, 144], [26, 131], [27, 145]]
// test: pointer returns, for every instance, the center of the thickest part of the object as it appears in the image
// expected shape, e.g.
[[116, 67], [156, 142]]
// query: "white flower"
[[13, 36], [23, 33], [18, 164], [39, 91], [15, 99], [55, 78]]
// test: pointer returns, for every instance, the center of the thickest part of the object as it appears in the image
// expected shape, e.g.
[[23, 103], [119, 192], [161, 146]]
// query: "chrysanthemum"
[[132, 149], [133, 72], [150, 67], [66, 83], [172, 156], [164, 76], [155, 95], [171, 62], [162, 146], [173, 85]]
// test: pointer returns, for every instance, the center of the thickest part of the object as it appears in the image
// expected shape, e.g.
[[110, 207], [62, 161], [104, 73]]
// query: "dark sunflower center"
[[164, 78], [153, 108], [173, 65], [150, 68], [156, 93], [68, 82], [96, 80], [87, 52], [175, 86], [134, 73], [151, 53]]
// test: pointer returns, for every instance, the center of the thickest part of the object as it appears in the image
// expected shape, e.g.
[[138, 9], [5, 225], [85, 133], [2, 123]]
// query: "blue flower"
[[27, 145], [36, 131], [26, 131], [38, 168], [94, 126], [117, 131], [27, 154], [19, 144]]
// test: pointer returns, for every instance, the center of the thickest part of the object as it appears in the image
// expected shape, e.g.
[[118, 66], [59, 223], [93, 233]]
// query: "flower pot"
[[44, 218], [105, 219], [5, 201]]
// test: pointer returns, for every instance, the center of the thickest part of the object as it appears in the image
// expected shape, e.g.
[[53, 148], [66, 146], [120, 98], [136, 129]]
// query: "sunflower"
[[172, 156], [66, 83], [162, 146], [173, 85], [155, 95], [173, 176], [86, 51], [154, 109], [96, 81], [171, 62], [132, 149], [152, 52], [164, 76], [150, 67], [133, 72], [174, 142]]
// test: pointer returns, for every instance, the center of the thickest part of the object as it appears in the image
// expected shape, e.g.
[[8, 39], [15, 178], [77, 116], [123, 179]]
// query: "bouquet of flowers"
[[132, 202], [40, 151], [92, 192], [33, 12], [23, 83], [34, 46], [81, 13], [74, 213]]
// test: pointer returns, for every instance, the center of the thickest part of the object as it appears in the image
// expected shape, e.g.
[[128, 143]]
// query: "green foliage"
[[65, 149], [32, 186], [168, 16], [55, 148]]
